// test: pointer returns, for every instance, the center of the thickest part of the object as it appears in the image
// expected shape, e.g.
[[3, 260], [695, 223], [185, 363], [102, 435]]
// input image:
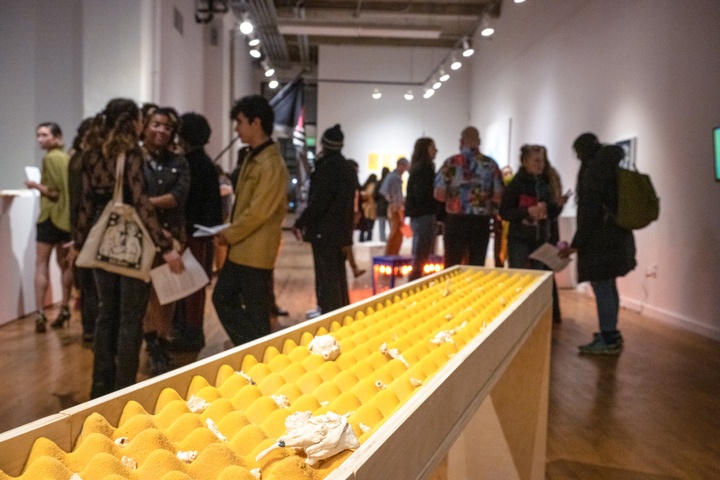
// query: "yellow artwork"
[[373, 161]]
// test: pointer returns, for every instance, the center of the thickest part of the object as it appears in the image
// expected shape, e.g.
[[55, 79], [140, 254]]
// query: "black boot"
[[158, 358], [187, 340]]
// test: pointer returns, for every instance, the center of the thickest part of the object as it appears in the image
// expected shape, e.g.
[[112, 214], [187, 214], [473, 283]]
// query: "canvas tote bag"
[[119, 242]]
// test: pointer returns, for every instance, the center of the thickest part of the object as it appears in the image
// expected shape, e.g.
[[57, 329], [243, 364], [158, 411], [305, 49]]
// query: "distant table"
[[398, 266]]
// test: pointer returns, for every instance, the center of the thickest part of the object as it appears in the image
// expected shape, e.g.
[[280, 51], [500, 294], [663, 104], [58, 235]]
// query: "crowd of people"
[[157, 158], [468, 199]]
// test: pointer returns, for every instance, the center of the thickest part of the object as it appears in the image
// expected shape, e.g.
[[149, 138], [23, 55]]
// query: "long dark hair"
[[420, 154], [113, 130], [371, 179]]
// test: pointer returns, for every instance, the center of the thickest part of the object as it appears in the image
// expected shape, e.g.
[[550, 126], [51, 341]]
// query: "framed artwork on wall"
[[628, 147]]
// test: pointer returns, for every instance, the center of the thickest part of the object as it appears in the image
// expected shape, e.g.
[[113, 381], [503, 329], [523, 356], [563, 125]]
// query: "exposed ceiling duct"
[[291, 30]]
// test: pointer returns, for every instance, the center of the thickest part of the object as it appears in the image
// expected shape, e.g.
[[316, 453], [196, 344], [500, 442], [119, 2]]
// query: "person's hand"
[[220, 240], [72, 255], [538, 212], [174, 261], [298, 233], [32, 184]]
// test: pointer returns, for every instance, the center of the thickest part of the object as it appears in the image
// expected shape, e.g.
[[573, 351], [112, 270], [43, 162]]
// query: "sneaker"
[[617, 337], [600, 347]]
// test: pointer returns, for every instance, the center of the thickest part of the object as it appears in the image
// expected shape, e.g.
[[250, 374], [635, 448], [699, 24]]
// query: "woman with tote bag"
[[123, 299]]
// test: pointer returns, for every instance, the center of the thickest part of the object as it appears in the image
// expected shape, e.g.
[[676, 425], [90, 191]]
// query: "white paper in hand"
[[171, 287], [549, 255]]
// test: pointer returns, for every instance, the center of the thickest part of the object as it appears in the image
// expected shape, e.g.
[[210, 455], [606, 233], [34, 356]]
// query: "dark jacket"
[[419, 200], [169, 174], [604, 250], [524, 191], [328, 217], [203, 206]]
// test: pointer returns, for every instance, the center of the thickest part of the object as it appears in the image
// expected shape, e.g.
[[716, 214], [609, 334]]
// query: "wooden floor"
[[653, 413]]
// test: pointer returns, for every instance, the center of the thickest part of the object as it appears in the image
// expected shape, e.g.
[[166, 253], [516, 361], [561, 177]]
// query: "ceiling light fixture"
[[255, 53], [273, 84], [254, 42], [467, 49], [246, 27], [456, 64], [409, 95], [327, 30], [429, 93], [444, 76], [437, 85], [270, 72], [376, 94], [487, 30]]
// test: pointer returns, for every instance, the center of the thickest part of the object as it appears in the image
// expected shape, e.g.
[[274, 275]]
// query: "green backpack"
[[638, 204]]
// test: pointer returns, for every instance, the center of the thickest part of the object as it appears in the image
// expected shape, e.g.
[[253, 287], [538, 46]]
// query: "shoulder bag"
[[119, 242]]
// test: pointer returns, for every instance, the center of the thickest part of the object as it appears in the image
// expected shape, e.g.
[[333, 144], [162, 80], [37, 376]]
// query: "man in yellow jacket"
[[243, 292]]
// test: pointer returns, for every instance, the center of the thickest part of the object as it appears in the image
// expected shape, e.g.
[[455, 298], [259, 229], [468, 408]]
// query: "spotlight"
[[246, 27], [255, 53], [467, 49], [437, 85], [429, 93], [444, 76], [409, 95], [273, 85], [254, 42], [456, 64], [376, 94], [269, 71], [487, 30], [519, 1]]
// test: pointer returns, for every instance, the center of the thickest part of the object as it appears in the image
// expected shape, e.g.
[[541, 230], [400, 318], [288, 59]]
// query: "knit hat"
[[333, 138], [194, 129]]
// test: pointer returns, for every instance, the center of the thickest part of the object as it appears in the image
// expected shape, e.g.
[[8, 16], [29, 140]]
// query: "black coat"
[[523, 191], [419, 200], [204, 205], [604, 250], [328, 217]]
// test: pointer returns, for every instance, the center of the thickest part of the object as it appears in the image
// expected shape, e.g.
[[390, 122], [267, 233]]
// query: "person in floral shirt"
[[470, 185]]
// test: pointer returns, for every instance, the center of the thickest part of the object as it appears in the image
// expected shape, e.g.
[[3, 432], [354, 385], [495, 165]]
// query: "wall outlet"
[[652, 272]]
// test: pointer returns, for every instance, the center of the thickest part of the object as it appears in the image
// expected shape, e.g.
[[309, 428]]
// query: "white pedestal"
[[18, 212]]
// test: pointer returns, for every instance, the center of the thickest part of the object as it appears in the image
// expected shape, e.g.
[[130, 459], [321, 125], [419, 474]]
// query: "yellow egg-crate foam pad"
[[387, 354]]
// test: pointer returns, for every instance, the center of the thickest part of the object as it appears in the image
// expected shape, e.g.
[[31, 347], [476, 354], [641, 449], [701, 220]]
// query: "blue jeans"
[[424, 229], [608, 303], [118, 331], [382, 221], [518, 253], [243, 298]]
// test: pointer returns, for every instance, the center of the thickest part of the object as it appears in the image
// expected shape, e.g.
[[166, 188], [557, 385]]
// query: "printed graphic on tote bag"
[[121, 242]]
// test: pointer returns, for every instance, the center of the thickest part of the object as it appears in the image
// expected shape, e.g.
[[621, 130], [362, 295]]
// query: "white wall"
[[40, 56], [645, 69], [391, 124]]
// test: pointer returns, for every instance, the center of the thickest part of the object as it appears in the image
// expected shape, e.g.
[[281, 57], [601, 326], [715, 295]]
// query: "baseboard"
[[671, 318], [662, 315]]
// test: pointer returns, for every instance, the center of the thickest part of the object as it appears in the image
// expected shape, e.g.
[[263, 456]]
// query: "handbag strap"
[[119, 173]]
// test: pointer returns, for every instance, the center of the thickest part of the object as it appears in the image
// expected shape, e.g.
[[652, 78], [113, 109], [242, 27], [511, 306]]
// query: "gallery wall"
[[645, 69], [389, 126]]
